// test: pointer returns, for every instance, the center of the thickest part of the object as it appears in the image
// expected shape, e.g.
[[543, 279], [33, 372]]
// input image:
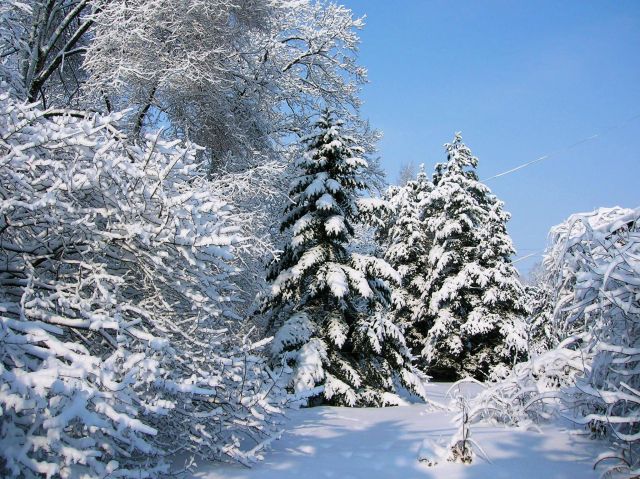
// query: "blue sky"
[[520, 80]]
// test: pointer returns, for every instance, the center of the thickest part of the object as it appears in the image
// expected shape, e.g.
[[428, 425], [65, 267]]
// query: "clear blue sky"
[[520, 79]]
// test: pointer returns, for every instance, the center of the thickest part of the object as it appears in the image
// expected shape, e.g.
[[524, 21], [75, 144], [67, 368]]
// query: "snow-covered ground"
[[383, 443]]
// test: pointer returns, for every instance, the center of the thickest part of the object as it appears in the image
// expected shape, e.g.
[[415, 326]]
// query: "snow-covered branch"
[[116, 291]]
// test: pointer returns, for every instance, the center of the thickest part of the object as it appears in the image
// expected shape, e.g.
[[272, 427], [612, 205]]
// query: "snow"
[[309, 371], [335, 225], [380, 443], [337, 280], [100, 343], [326, 202], [298, 328]]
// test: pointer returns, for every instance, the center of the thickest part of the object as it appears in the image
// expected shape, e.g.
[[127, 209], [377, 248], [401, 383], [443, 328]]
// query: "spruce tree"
[[406, 249], [543, 332], [327, 303], [472, 295]]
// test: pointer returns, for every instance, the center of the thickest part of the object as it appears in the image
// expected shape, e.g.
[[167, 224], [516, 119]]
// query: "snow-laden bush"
[[594, 373], [115, 296], [596, 258], [532, 391]]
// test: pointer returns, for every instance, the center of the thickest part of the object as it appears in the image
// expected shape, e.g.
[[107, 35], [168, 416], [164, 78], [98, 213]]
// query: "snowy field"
[[383, 443]]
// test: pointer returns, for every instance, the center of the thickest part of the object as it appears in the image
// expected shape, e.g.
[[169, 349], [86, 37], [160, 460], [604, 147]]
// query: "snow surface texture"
[[372, 443]]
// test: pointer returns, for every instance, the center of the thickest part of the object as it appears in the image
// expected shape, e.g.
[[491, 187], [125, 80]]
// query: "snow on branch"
[[592, 376], [116, 282]]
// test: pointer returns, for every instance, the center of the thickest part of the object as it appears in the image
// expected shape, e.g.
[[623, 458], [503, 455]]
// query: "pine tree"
[[326, 301], [541, 331], [472, 295], [406, 249]]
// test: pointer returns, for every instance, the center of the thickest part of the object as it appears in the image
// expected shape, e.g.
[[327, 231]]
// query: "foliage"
[[325, 300], [407, 249], [592, 375], [116, 291], [471, 294], [237, 77], [240, 78]]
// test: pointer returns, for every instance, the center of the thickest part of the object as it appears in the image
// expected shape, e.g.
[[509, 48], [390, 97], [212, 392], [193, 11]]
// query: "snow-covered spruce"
[[471, 295], [115, 289], [327, 302], [541, 332], [406, 248]]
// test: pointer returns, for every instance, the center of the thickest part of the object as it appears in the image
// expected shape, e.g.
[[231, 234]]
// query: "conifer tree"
[[472, 295], [327, 302], [542, 334], [406, 249]]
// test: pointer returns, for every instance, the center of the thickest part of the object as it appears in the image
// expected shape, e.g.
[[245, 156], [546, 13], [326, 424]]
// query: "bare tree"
[[408, 172]]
